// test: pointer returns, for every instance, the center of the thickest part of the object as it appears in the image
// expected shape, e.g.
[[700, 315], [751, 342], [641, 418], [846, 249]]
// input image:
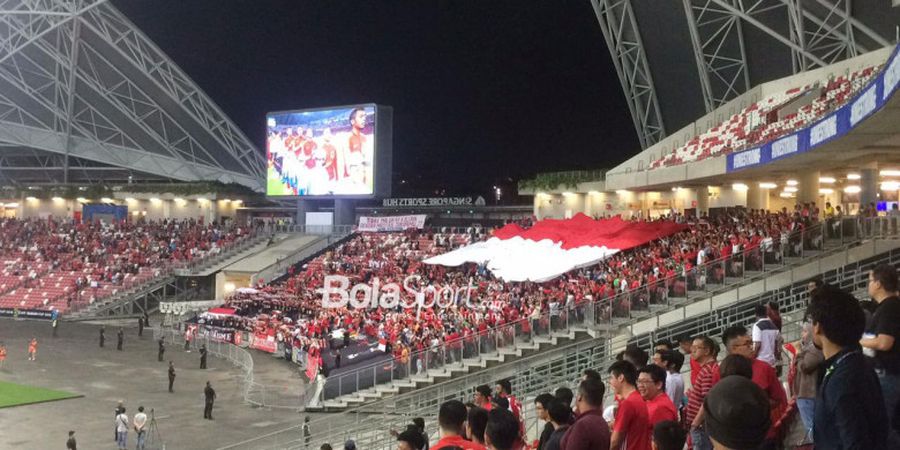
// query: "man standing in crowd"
[[880, 340], [736, 414], [560, 414], [502, 430], [162, 350], [203, 356], [632, 421], [482, 397], [704, 352], [542, 411], [590, 431], [140, 326], [119, 408], [650, 382], [738, 343], [476, 423], [122, 430], [451, 421], [102, 336], [504, 390], [140, 423], [671, 361], [850, 411], [171, 374], [808, 360], [120, 338], [210, 395], [766, 339]]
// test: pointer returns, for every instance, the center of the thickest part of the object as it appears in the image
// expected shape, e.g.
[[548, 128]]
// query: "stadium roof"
[[85, 96], [678, 60]]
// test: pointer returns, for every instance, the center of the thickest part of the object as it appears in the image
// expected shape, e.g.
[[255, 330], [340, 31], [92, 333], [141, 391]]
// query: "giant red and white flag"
[[553, 247]]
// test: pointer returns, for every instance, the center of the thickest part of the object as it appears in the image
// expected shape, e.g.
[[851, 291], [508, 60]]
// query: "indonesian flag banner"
[[553, 247]]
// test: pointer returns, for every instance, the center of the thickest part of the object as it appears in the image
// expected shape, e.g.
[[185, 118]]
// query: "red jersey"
[[661, 409], [457, 441], [633, 420]]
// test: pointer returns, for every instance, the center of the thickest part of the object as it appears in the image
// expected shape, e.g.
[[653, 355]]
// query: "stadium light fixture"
[[890, 185], [853, 176], [621, 191], [107, 200], [82, 200], [31, 199], [226, 200], [568, 194], [768, 185], [130, 199], [12, 205], [826, 191], [740, 187], [154, 200], [58, 199], [792, 182], [201, 200], [237, 202], [785, 195], [791, 189], [827, 180], [852, 189], [890, 173]]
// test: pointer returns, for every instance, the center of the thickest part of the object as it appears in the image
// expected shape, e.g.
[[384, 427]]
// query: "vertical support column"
[[303, 206], [868, 183], [702, 200], [344, 212], [757, 197], [808, 188]]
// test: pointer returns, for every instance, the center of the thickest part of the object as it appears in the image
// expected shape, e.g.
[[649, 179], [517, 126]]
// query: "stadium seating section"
[[769, 119]]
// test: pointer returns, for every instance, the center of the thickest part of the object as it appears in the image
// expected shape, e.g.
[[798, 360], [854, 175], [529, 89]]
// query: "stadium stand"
[[770, 118], [57, 265]]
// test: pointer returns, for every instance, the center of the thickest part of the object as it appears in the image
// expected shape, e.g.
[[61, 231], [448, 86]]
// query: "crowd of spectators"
[[845, 370], [51, 263], [291, 311]]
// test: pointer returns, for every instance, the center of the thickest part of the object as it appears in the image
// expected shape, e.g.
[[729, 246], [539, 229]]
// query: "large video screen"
[[324, 152]]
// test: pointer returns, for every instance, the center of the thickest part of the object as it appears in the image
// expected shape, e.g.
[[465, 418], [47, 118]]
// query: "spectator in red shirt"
[[451, 420], [703, 351], [590, 431], [482, 397], [651, 384], [737, 342], [631, 429]]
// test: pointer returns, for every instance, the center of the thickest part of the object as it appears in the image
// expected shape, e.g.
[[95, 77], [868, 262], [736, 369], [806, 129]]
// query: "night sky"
[[481, 90]]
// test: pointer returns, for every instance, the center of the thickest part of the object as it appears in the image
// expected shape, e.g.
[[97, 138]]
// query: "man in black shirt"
[[162, 350], [203, 356], [120, 338], [541, 409], [71, 444], [881, 335], [210, 394], [850, 409]]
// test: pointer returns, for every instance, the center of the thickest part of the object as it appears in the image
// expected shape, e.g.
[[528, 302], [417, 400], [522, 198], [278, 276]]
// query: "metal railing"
[[310, 229], [255, 237], [282, 395], [546, 371]]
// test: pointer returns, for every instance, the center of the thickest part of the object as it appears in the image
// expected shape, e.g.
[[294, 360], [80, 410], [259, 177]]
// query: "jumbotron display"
[[329, 152]]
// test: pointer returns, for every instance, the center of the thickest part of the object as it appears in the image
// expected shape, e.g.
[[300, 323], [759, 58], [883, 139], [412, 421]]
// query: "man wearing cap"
[[736, 414], [850, 411]]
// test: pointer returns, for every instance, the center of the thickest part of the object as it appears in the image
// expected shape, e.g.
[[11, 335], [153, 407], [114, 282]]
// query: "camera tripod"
[[154, 439]]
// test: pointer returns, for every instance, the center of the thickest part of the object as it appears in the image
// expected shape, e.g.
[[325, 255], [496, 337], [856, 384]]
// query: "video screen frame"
[[382, 151]]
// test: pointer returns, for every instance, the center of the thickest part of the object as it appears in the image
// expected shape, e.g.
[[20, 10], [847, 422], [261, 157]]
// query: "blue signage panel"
[[867, 101]]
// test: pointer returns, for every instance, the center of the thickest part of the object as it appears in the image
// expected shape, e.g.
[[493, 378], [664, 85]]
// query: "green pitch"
[[12, 394]]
